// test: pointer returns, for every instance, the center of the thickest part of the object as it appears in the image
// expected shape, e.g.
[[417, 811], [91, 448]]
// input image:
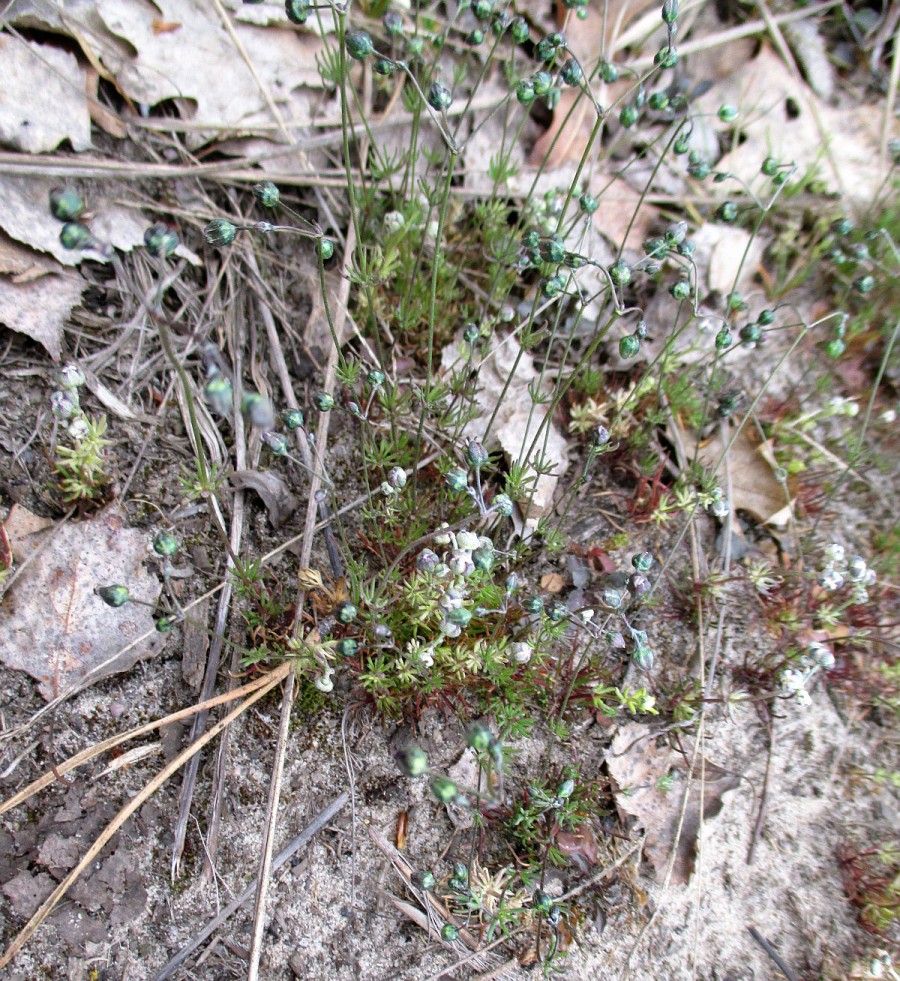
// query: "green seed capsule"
[[724, 339], [324, 249], [609, 73], [346, 613], [865, 284], [359, 44], [66, 204], [769, 167], [545, 50], [456, 480], [642, 562], [292, 418], [842, 227], [750, 334], [629, 116], [439, 97], [620, 273], [297, 11], [412, 760], [384, 66], [727, 114], [393, 23], [670, 11], [476, 455], [542, 902], [781, 178], [571, 72], [533, 604], [267, 194], [478, 737], [160, 240], [727, 211], [520, 30], [220, 394], [658, 101], [666, 58], [835, 348], [588, 203], [476, 37], [324, 401], [460, 616], [553, 249], [166, 624], [424, 880], [541, 82], [642, 658], [449, 932], [443, 788], [114, 596], [552, 287], [629, 346], [525, 92], [165, 543], [348, 647], [766, 317], [74, 235], [680, 290], [482, 9], [219, 232], [503, 504], [680, 146]]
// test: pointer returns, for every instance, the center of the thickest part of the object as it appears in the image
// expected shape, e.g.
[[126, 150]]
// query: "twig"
[[288, 696], [280, 859], [770, 950], [759, 824]]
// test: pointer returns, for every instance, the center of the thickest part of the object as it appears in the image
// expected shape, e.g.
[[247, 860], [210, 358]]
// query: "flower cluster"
[[793, 681], [467, 553], [839, 571]]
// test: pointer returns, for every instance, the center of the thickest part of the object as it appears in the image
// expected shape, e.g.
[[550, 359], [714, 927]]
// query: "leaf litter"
[[74, 635]]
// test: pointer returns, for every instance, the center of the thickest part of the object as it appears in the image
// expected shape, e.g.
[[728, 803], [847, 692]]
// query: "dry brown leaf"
[[25, 216], [734, 255], [109, 121], [518, 422], [22, 526], [197, 66], [568, 135], [637, 765], [619, 204], [70, 632], [782, 117], [21, 264], [754, 488], [44, 99], [552, 582], [272, 489], [39, 308]]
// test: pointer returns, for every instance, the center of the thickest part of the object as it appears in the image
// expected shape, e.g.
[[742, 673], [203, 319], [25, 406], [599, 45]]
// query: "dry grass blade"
[[98, 749], [133, 805]]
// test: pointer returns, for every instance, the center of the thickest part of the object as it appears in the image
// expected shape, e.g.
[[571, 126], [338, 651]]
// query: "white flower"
[[393, 222], [78, 428], [802, 698], [467, 541], [857, 568], [835, 553], [71, 376], [442, 535], [522, 652], [830, 579], [718, 509], [790, 681], [821, 655]]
